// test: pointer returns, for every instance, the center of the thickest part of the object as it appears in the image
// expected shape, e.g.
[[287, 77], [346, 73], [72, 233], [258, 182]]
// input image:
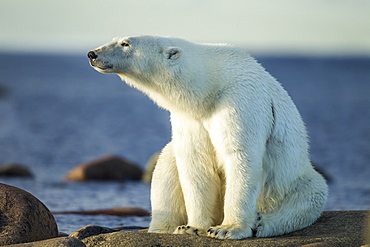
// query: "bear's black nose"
[[92, 55]]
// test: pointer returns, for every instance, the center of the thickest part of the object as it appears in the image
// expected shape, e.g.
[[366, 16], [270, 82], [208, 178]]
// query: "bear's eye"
[[125, 44]]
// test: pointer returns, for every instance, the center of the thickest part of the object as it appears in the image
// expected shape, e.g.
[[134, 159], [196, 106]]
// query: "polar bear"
[[238, 164]]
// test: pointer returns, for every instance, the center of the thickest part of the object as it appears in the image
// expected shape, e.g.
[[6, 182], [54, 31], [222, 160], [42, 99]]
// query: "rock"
[[149, 168], [93, 230], [130, 228], [108, 167], [14, 170], [318, 244], [333, 228], [90, 230], [54, 242], [121, 211], [367, 230], [62, 234], [23, 218]]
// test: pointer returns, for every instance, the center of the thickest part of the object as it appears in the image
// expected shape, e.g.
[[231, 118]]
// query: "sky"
[[338, 27]]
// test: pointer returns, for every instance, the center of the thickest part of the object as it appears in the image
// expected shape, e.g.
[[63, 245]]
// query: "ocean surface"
[[57, 112]]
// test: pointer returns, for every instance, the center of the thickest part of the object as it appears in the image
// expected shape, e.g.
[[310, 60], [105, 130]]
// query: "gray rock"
[[108, 167], [23, 218], [333, 228], [15, 170], [54, 242]]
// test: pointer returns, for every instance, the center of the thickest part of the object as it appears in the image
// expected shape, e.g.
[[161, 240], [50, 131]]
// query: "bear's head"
[[173, 72], [137, 57]]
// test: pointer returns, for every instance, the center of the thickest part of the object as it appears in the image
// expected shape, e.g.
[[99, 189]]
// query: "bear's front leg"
[[239, 147], [168, 206], [240, 210], [200, 183]]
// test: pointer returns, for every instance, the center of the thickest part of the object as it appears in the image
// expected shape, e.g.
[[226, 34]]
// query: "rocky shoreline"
[[334, 228], [26, 222]]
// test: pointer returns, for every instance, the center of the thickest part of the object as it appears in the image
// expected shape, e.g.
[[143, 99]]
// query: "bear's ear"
[[172, 53]]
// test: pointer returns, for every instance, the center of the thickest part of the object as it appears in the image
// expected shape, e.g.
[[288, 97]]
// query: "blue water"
[[56, 112]]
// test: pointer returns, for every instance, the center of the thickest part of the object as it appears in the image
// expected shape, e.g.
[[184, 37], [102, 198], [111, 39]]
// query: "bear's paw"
[[229, 232], [190, 230]]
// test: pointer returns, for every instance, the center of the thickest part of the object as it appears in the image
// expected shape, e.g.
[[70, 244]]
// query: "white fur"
[[238, 161]]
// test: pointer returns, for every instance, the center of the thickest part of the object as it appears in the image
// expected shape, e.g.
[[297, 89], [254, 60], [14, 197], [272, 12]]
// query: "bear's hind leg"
[[168, 206], [301, 207]]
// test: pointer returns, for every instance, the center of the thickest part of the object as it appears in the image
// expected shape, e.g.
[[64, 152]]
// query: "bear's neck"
[[196, 102]]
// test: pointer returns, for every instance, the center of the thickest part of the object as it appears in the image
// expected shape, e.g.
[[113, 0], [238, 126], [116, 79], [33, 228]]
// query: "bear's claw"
[[228, 232], [184, 229]]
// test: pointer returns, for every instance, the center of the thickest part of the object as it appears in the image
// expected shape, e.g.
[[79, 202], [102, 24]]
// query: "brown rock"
[[367, 230], [333, 228], [93, 230], [120, 211], [23, 218], [14, 170], [90, 230], [105, 168], [54, 242], [318, 244]]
